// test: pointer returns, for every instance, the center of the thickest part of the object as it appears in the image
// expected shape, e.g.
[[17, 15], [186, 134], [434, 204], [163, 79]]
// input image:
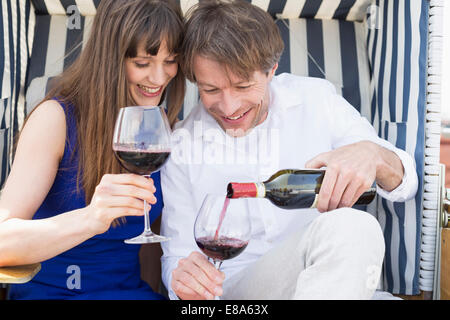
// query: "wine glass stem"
[[217, 263], [147, 229], [147, 219]]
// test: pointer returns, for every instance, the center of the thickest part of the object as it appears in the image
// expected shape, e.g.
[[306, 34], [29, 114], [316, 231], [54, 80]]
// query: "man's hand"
[[196, 278], [351, 170]]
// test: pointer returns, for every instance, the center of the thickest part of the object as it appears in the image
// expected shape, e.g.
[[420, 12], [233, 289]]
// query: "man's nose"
[[230, 103]]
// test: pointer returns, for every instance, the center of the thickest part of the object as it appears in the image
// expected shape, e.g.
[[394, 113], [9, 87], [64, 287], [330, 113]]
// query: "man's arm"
[[186, 273], [359, 157], [389, 169]]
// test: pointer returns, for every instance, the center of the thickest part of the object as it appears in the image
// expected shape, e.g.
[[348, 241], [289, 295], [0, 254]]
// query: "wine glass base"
[[146, 238]]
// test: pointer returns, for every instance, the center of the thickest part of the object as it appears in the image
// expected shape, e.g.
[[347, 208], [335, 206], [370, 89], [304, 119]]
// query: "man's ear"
[[272, 71]]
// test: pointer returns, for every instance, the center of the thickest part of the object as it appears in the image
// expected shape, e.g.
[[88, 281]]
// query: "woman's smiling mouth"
[[149, 91]]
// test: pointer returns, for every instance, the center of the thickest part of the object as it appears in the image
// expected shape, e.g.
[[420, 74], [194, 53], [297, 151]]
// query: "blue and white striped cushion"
[[397, 49], [62, 7], [352, 10], [55, 47], [330, 49], [389, 75], [53, 41]]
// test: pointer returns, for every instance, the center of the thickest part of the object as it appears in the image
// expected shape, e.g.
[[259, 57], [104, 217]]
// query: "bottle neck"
[[246, 190], [260, 190]]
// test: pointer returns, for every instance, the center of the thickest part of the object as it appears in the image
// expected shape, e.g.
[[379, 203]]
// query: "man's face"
[[236, 104]]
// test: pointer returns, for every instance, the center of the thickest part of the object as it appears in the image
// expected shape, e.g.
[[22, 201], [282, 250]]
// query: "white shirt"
[[306, 117]]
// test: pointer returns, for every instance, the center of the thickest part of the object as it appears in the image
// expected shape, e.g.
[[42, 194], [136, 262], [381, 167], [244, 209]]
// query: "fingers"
[[186, 293], [187, 283], [318, 161], [326, 190], [119, 201], [203, 263], [132, 191], [128, 185], [115, 213], [132, 179], [350, 170], [338, 190], [351, 195], [195, 277], [363, 188], [342, 188]]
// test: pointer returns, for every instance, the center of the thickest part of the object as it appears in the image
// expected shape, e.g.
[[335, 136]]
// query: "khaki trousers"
[[339, 255]]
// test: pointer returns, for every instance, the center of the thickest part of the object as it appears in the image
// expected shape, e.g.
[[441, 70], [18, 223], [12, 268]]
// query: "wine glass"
[[222, 228], [141, 143]]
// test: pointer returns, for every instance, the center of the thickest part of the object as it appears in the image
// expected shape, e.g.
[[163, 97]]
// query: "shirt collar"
[[284, 93]]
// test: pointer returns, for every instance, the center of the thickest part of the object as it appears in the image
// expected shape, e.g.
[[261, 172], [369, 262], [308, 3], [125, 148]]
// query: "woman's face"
[[149, 75]]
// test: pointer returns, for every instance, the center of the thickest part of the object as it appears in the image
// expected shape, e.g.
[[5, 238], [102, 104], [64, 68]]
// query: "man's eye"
[[210, 90], [243, 87]]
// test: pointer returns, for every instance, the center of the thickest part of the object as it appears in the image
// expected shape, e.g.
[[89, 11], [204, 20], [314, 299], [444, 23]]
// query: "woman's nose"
[[157, 75]]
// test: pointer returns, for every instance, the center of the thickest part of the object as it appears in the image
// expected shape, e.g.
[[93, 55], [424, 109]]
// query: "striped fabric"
[[55, 47], [16, 19], [63, 7], [330, 49], [397, 49], [352, 10], [340, 52]]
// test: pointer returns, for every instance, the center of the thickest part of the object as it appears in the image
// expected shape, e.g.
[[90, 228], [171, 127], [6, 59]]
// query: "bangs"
[[159, 25]]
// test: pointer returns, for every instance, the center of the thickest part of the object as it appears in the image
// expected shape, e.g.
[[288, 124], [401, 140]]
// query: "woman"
[[66, 198]]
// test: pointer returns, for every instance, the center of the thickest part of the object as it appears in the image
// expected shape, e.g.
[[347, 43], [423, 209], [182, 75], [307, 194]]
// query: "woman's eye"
[[141, 65], [171, 61]]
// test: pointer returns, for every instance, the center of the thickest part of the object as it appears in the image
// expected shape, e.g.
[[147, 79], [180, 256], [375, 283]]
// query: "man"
[[231, 50]]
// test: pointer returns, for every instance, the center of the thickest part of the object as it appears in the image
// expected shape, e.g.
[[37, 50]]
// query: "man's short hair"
[[238, 35]]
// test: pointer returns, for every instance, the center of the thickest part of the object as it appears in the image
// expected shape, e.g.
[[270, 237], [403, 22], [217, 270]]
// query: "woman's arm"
[[39, 151]]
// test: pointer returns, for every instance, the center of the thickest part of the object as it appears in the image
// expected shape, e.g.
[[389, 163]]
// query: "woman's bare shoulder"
[[47, 123], [38, 154]]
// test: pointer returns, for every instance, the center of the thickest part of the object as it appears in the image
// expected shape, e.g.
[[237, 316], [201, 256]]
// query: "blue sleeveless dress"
[[103, 267]]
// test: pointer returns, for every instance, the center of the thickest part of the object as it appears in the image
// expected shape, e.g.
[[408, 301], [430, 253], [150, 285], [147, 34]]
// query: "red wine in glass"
[[222, 248], [141, 161]]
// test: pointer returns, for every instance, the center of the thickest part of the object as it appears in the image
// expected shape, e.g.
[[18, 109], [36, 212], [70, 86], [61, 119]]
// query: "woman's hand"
[[119, 195]]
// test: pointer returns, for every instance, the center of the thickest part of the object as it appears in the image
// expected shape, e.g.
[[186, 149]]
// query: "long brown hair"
[[95, 84]]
